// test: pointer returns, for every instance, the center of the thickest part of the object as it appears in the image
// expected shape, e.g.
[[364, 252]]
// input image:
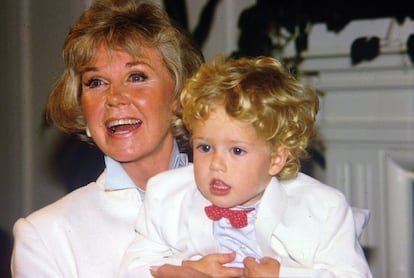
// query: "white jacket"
[[305, 224], [84, 234]]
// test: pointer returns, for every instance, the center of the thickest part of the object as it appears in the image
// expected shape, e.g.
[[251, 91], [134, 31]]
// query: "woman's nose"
[[117, 96]]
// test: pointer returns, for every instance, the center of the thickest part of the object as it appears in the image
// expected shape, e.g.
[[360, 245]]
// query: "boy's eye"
[[237, 151], [204, 148]]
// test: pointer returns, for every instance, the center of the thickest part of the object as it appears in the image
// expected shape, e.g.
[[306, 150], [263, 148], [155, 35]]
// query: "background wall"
[[32, 36]]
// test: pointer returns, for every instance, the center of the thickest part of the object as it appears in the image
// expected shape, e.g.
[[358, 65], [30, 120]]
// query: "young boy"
[[250, 124]]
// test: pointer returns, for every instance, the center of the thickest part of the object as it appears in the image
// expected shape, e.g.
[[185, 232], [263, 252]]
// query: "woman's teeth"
[[114, 125]]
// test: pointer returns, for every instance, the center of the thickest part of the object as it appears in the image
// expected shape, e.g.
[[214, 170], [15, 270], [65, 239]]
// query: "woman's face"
[[128, 104]]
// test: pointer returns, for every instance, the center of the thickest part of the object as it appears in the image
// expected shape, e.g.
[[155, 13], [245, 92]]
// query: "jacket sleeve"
[[31, 257], [142, 254], [338, 252], [154, 243]]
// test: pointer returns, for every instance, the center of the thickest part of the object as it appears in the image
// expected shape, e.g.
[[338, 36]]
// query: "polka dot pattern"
[[237, 218]]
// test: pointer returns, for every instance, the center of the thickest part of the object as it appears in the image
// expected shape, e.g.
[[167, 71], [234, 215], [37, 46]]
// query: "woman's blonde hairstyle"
[[125, 25], [261, 92]]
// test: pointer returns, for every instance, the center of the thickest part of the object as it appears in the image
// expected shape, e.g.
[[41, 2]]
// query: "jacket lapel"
[[202, 239], [270, 212]]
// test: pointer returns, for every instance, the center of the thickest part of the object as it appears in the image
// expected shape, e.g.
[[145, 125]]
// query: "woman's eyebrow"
[[89, 69], [137, 63]]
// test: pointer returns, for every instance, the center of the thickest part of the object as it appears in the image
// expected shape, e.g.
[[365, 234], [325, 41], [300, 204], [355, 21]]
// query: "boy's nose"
[[217, 163]]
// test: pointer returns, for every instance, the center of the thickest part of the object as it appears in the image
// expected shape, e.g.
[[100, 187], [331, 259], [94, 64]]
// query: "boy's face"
[[232, 165]]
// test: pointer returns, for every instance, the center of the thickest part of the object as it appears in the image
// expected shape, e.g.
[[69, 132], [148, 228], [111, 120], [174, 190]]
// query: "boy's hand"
[[267, 267]]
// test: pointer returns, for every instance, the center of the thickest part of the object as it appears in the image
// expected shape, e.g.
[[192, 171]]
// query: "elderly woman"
[[125, 66]]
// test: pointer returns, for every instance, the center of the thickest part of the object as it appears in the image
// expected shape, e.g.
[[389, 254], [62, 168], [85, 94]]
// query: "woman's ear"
[[278, 160], [175, 106]]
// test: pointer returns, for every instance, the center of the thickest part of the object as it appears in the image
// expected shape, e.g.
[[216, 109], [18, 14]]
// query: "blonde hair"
[[119, 25], [258, 91]]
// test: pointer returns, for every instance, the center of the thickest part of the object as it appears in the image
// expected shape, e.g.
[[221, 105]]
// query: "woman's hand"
[[266, 267], [209, 266], [168, 270]]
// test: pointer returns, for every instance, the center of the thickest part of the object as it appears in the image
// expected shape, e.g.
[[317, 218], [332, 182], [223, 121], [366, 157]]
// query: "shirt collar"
[[117, 178], [178, 159]]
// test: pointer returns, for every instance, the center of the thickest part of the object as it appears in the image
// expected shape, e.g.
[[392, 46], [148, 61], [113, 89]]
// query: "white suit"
[[308, 226], [84, 234]]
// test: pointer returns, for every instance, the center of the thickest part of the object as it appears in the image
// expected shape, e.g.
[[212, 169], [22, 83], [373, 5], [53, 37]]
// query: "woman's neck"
[[140, 171]]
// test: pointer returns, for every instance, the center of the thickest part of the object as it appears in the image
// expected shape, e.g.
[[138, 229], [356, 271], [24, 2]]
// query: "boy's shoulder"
[[182, 173], [172, 180], [307, 187]]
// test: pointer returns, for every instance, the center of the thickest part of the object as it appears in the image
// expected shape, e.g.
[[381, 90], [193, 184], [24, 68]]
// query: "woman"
[[125, 65]]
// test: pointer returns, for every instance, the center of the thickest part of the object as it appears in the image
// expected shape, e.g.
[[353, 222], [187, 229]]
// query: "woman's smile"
[[123, 126]]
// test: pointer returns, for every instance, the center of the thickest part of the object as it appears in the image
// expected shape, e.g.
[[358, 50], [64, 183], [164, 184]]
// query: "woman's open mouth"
[[123, 126]]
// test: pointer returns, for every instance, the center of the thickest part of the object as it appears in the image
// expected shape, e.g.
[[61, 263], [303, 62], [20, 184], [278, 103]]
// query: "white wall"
[[32, 35], [35, 31], [367, 114]]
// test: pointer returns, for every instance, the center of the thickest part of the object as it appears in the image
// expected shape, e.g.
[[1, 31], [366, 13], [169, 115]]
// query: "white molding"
[[399, 177]]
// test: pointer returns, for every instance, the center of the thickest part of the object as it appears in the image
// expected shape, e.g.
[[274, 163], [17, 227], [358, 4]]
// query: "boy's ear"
[[279, 157]]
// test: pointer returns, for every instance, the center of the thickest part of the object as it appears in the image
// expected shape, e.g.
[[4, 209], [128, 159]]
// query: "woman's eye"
[[204, 148], [238, 151], [137, 77], [93, 83]]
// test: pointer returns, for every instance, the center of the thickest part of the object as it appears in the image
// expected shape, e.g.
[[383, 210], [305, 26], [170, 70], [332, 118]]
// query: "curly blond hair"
[[125, 25], [261, 92]]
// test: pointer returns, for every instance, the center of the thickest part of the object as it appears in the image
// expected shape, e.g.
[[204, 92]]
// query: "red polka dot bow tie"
[[237, 218]]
